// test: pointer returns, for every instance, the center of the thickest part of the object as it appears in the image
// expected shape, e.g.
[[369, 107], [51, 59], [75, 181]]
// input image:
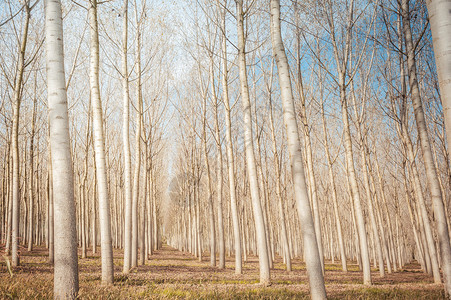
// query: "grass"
[[170, 274], [394, 293]]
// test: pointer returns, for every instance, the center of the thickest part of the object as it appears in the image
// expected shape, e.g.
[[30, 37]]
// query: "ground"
[[173, 274]]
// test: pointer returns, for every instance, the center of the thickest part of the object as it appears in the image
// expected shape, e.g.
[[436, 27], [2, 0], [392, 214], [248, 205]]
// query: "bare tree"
[[229, 148], [15, 139], [66, 259], [99, 149], [126, 145], [311, 253], [431, 172], [249, 148]]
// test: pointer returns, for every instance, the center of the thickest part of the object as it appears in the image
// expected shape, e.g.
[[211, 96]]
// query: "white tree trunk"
[[126, 145], [309, 158], [230, 157], [66, 259], [15, 141], [221, 242], [354, 189], [440, 20], [135, 192], [99, 148], [418, 191], [311, 253], [209, 188], [250, 155], [334, 193], [31, 182], [431, 172], [285, 243], [10, 207], [50, 220], [139, 243], [361, 129], [142, 234]]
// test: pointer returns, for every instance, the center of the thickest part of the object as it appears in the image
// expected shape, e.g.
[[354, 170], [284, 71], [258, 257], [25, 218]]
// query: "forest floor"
[[173, 274]]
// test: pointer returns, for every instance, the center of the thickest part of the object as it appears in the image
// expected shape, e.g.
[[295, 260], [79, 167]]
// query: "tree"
[[440, 20], [249, 148], [15, 139], [99, 148], [66, 259], [221, 242], [286, 244], [30, 181], [311, 253], [333, 185], [431, 171], [400, 110], [50, 212], [313, 187], [126, 145], [345, 74], [136, 175], [229, 148]]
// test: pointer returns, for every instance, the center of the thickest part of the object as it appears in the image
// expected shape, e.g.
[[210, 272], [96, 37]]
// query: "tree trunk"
[[31, 182], [9, 204], [15, 255], [209, 188], [309, 155], [379, 218], [440, 20], [334, 193], [142, 233], [285, 244], [126, 145], [99, 148], [50, 198], [311, 253], [358, 210], [221, 242], [230, 155], [250, 155], [361, 129], [431, 172], [135, 193], [66, 260]]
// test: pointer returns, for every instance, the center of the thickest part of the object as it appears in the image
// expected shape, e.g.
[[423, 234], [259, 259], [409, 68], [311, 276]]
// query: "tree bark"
[[334, 193], [311, 253], [31, 181], [15, 255], [431, 172], [308, 153], [440, 22], [99, 148], [221, 242], [51, 230], [209, 188], [250, 155], [230, 155], [284, 233], [126, 145], [66, 260], [361, 129], [135, 193]]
